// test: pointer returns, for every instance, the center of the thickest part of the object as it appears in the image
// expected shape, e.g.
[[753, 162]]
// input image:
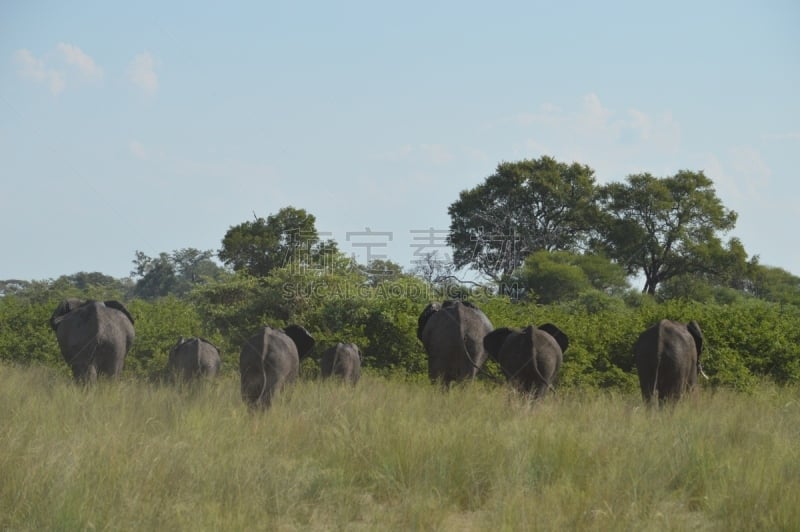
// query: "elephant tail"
[[480, 369], [530, 332], [654, 391]]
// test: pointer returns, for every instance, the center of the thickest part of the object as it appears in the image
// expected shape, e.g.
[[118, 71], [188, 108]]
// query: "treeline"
[[746, 340], [552, 245]]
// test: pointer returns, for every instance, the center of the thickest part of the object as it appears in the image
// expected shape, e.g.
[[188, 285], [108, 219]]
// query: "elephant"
[[668, 359], [94, 337], [269, 360], [343, 361], [193, 357], [452, 333], [530, 358]]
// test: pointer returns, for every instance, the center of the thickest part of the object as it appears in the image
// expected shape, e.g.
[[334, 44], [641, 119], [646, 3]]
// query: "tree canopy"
[[525, 206], [549, 277], [287, 238], [664, 227], [173, 273]]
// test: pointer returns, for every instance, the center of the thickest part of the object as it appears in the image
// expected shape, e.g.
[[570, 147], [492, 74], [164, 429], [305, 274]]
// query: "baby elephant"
[[192, 358], [530, 358], [343, 361]]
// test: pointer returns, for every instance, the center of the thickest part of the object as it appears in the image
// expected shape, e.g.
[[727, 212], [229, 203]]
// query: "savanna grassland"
[[391, 454]]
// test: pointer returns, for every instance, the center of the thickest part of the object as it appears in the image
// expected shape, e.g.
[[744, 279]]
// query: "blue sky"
[[155, 126]]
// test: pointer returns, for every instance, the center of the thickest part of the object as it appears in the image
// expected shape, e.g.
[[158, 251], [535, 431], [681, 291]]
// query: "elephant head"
[[343, 361], [94, 336], [668, 359], [530, 358], [452, 334], [269, 360], [193, 357]]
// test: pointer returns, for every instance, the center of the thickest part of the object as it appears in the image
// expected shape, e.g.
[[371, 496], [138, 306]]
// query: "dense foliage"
[[525, 206], [664, 227], [746, 339], [287, 238]]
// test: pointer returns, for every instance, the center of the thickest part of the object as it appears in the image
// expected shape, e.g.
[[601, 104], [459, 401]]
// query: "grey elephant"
[[668, 359], [343, 361], [452, 333], [530, 358], [192, 358], [269, 360], [94, 337]]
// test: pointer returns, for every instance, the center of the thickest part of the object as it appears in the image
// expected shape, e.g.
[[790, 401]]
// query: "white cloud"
[[740, 175], [594, 116], [68, 61], [142, 73], [78, 58], [31, 67], [138, 150], [616, 142], [747, 162]]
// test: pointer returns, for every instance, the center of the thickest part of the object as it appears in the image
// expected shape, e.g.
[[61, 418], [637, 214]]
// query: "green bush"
[[746, 340]]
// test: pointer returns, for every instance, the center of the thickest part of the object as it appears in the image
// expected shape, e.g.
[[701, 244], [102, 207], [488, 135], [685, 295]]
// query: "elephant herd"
[[95, 336]]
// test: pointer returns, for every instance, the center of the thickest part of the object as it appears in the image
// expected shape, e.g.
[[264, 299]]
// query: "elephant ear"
[[694, 329], [64, 308], [116, 305], [494, 341], [301, 338], [429, 311], [561, 339]]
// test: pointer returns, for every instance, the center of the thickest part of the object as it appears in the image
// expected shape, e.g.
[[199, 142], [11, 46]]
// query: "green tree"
[[525, 206], [664, 227], [84, 285], [287, 238], [173, 273], [775, 284], [551, 277], [158, 276]]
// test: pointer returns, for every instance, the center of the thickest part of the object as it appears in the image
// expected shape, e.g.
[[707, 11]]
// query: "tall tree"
[[775, 284], [664, 227], [525, 206], [173, 273], [287, 238], [157, 275]]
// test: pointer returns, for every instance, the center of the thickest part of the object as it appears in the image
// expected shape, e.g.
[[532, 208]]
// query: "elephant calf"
[[668, 359], [343, 361], [269, 360], [530, 358], [192, 358]]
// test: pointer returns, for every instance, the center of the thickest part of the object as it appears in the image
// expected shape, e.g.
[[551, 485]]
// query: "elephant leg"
[[647, 390], [84, 373], [109, 365], [647, 380], [671, 384], [540, 390], [274, 384]]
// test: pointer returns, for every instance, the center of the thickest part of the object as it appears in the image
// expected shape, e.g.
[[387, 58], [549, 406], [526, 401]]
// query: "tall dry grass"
[[390, 455]]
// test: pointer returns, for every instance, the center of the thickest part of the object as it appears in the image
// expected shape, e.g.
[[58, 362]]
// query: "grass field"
[[390, 455]]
